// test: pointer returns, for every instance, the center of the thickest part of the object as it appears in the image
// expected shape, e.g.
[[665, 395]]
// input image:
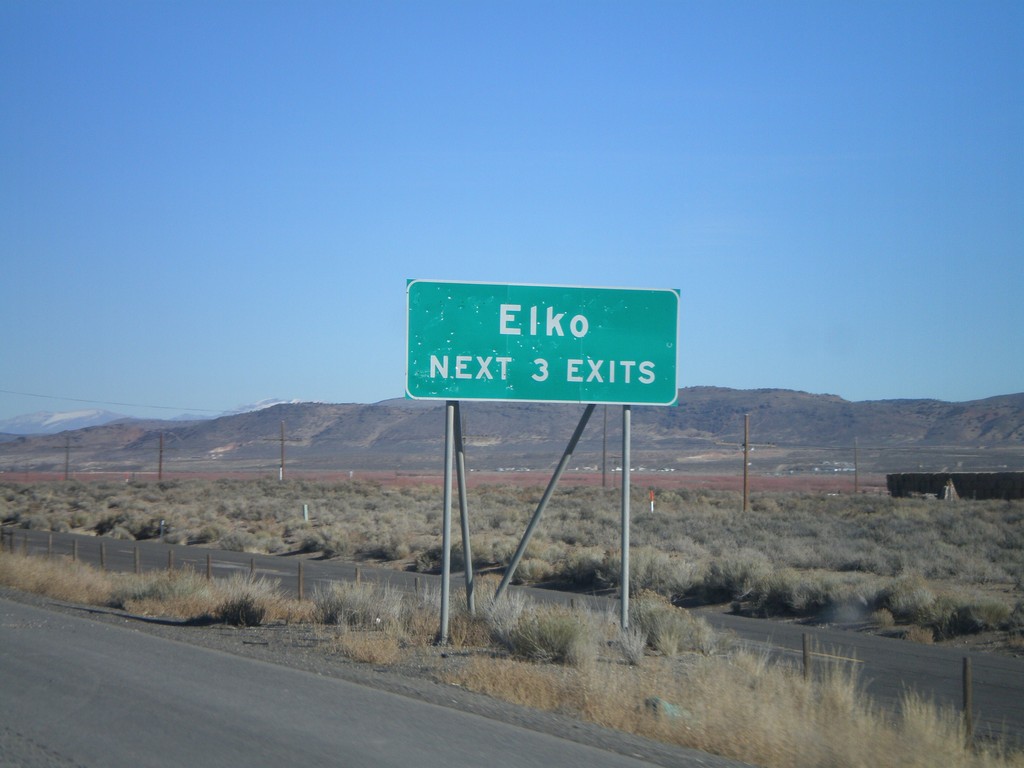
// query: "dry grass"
[[179, 594], [58, 578], [556, 635], [360, 605], [707, 695], [922, 635], [369, 647], [738, 706], [669, 630], [464, 630], [551, 688]]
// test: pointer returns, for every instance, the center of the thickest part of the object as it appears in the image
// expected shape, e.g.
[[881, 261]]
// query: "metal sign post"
[[627, 428], [446, 526]]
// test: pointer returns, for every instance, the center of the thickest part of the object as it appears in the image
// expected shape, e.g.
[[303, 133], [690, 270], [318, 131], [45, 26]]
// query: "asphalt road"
[[887, 667], [77, 692]]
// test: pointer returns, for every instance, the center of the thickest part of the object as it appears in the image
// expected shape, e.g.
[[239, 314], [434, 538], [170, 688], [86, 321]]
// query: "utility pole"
[[281, 440], [67, 458], [856, 468], [280, 474], [160, 462], [746, 461], [604, 451]]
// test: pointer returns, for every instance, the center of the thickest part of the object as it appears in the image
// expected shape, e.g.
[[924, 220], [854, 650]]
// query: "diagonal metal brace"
[[552, 484], [460, 474]]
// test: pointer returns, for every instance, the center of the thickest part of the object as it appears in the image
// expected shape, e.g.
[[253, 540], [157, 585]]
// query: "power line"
[[107, 402]]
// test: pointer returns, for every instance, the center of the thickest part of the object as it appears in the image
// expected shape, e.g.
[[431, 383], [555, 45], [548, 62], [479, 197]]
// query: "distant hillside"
[[790, 432]]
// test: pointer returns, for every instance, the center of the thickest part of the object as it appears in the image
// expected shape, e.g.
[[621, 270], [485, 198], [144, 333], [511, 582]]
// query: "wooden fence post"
[[807, 656], [968, 702]]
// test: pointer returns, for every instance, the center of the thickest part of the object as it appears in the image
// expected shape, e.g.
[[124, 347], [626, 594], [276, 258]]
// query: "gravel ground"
[[302, 647]]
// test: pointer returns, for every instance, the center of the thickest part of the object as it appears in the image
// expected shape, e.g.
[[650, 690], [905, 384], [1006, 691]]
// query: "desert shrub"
[[430, 558], [160, 586], [207, 534], [1015, 621], [670, 630], [339, 603], [270, 544], [36, 523], [649, 571], [581, 569], [494, 549], [177, 538], [990, 613], [916, 634], [532, 571], [908, 599], [310, 541], [421, 623], [466, 630], [949, 617], [503, 614], [240, 541], [138, 524], [392, 546], [632, 643], [883, 618], [555, 635], [360, 605], [782, 592], [121, 533], [730, 577], [834, 597], [245, 601]]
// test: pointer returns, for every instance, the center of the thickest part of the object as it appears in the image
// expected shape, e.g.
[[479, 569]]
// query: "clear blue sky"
[[204, 204]]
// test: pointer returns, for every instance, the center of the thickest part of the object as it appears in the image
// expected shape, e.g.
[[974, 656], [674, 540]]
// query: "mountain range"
[[52, 422], [789, 432]]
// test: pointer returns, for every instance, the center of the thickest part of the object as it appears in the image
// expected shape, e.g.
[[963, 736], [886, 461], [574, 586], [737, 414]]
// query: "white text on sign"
[[578, 370], [578, 325]]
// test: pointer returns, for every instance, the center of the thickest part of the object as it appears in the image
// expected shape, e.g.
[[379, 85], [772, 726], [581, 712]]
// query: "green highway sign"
[[541, 343]]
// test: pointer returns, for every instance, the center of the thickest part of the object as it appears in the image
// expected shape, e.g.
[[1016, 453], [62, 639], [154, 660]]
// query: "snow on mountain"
[[51, 422], [260, 405]]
